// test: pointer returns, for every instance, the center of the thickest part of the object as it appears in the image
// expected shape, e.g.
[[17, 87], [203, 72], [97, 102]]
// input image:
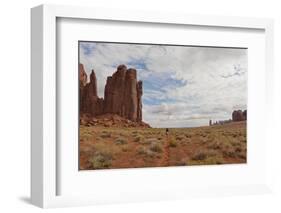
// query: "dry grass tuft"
[[172, 142], [156, 147], [121, 141]]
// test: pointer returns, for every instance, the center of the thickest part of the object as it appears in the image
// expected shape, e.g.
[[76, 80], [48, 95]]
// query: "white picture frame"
[[44, 153]]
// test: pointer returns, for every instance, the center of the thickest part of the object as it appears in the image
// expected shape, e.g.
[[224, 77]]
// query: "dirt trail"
[[166, 152]]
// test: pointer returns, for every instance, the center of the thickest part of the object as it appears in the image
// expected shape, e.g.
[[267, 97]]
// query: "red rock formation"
[[114, 92], [90, 102], [131, 99], [122, 95], [82, 83], [82, 76], [239, 115], [139, 101], [245, 114]]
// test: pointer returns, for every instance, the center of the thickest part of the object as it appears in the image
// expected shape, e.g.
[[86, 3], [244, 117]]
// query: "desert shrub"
[[234, 135], [238, 149], [179, 137], [134, 132], [202, 134], [205, 157], [145, 151], [85, 134], [235, 143], [101, 160], [207, 161], [201, 155], [120, 141], [242, 155], [150, 153], [211, 137], [214, 160], [188, 135], [125, 148], [98, 139], [122, 134], [215, 145], [156, 147], [138, 138], [106, 149], [105, 134], [229, 153], [150, 141], [172, 142], [141, 150]]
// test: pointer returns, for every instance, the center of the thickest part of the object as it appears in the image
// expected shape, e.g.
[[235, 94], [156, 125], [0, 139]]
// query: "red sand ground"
[[133, 147]]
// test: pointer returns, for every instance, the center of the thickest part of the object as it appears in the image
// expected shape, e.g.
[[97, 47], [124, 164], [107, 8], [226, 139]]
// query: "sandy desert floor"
[[112, 147]]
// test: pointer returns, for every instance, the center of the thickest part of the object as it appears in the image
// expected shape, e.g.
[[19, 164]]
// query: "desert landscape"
[[112, 147], [113, 134]]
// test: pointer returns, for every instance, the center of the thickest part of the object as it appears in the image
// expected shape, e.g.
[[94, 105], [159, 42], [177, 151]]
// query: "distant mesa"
[[237, 115], [122, 95]]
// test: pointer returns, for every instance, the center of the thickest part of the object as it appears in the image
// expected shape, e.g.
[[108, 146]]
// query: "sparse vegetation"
[[105, 134], [120, 141], [229, 152], [156, 147], [107, 147], [125, 148], [179, 137], [207, 161], [201, 155], [172, 142], [141, 150], [145, 151], [149, 141], [138, 138], [205, 157], [100, 161], [215, 145]]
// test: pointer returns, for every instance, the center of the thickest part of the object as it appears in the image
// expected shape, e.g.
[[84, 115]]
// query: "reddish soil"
[[134, 147]]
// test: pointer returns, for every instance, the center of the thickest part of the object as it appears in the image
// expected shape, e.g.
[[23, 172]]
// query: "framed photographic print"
[[149, 106]]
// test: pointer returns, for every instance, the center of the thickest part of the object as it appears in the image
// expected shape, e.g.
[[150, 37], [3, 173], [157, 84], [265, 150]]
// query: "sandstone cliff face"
[[89, 100], [139, 101], [130, 104], [82, 83], [122, 94], [82, 76], [114, 93]]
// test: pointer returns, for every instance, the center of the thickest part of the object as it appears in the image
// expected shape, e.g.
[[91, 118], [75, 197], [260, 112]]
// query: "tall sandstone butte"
[[122, 94]]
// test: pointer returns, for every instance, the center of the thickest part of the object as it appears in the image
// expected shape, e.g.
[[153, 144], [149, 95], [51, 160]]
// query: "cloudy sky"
[[183, 86]]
